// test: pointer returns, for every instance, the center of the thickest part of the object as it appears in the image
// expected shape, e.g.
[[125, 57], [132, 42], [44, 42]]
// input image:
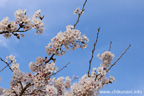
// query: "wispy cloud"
[[3, 42], [3, 3], [7, 43]]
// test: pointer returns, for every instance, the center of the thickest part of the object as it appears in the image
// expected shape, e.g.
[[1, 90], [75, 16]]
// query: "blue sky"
[[121, 21]]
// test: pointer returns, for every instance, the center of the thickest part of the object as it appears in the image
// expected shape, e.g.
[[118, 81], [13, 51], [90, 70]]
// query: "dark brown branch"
[[3, 68], [119, 58], [21, 31], [18, 30], [21, 84], [6, 64], [96, 76], [93, 51], [79, 14], [110, 45], [50, 58], [12, 32], [20, 26], [24, 89], [15, 93]]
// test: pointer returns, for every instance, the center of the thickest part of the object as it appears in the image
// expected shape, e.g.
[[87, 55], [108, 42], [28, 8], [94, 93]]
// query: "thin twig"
[[119, 58], [79, 15], [5, 67], [6, 64], [110, 45], [60, 69], [93, 51]]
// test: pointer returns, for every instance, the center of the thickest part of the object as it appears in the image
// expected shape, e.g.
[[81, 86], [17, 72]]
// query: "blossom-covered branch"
[[79, 13], [9, 28], [62, 40]]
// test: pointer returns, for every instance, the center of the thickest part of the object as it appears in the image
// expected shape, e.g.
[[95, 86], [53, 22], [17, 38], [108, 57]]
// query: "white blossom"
[[11, 58], [52, 91], [77, 10], [71, 38], [15, 66], [112, 78]]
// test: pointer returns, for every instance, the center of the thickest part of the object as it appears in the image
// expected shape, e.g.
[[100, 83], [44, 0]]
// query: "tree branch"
[[119, 58], [110, 45], [60, 69], [6, 64], [79, 15], [5, 67], [93, 52], [50, 58], [18, 30], [114, 62], [24, 89], [21, 84]]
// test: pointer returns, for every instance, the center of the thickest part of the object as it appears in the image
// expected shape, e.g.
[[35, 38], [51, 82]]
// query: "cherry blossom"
[[77, 10], [22, 24]]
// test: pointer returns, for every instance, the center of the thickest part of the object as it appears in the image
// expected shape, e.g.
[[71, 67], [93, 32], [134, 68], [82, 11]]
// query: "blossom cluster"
[[38, 24], [9, 28], [77, 10], [11, 58], [40, 65], [106, 58], [70, 39], [6, 25]]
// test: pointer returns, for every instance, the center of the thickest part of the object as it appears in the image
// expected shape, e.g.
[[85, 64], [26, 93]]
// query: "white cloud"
[[3, 3], [8, 43], [3, 42]]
